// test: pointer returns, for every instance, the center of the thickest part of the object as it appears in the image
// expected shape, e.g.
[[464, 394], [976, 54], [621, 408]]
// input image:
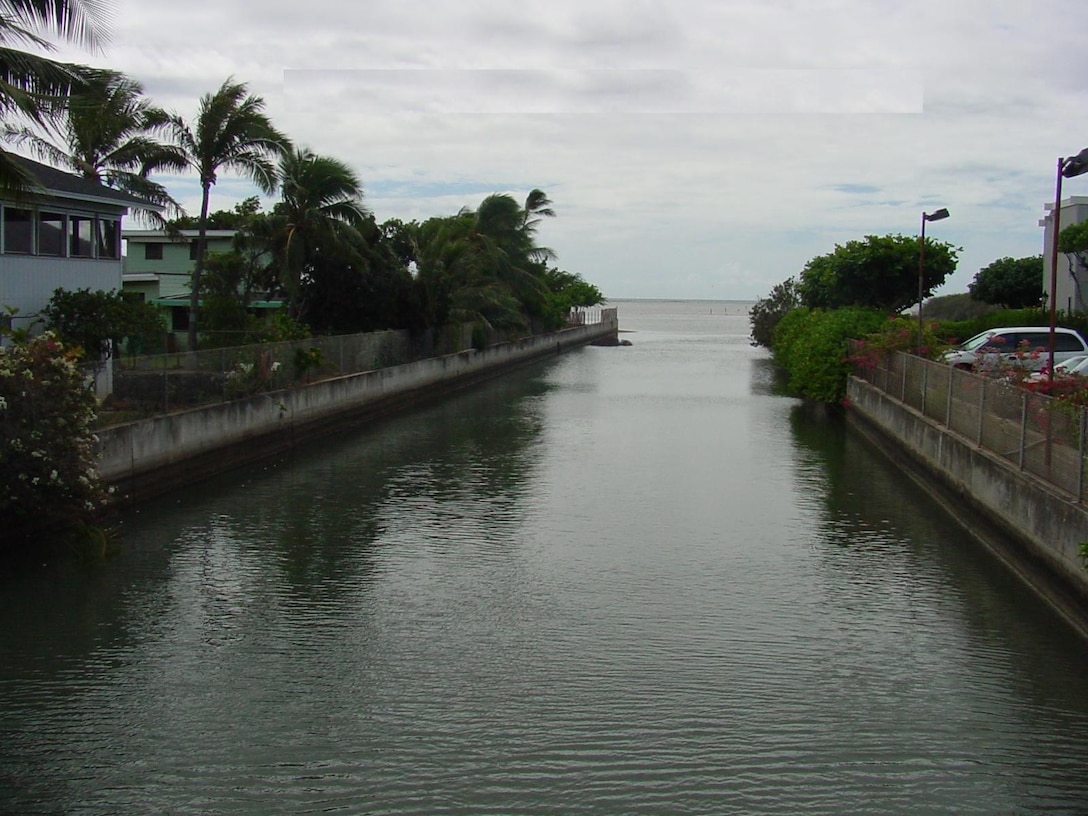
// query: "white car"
[[1073, 367], [1019, 346]]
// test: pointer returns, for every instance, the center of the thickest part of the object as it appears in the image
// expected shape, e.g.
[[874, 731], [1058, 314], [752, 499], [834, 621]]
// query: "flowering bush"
[[48, 480], [899, 333]]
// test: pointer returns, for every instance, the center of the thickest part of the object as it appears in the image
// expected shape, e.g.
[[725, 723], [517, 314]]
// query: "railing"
[[1033, 432], [590, 315]]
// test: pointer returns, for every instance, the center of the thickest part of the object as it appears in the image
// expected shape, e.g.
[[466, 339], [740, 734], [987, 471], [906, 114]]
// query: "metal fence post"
[[925, 386], [1023, 428], [1080, 468], [948, 407], [981, 409]]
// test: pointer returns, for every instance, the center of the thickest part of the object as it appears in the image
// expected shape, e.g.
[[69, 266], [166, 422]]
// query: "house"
[[158, 267], [65, 236], [1072, 281]]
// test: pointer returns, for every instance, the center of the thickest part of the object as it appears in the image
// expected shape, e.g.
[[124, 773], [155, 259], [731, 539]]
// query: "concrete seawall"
[[142, 459], [1027, 524]]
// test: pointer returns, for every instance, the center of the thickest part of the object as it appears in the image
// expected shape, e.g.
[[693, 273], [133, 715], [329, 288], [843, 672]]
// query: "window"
[[80, 233], [1032, 341], [108, 238], [152, 252], [179, 318], [18, 231], [51, 233], [1065, 342], [192, 248]]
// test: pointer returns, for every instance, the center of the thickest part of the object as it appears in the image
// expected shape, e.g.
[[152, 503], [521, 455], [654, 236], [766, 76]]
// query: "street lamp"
[[937, 215], [1067, 168]]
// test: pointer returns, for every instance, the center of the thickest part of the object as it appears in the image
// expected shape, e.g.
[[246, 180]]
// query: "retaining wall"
[[1031, 526], [141, 459]]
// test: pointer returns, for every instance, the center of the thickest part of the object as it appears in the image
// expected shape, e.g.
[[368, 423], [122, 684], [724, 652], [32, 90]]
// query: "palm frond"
[[83, 22], [15, 180]]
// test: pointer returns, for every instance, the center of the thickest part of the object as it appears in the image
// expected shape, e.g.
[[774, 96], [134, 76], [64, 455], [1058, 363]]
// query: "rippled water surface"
[[626, 581]]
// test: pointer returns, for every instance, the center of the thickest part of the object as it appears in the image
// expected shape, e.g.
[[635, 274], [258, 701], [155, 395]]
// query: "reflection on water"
[[629, 580]]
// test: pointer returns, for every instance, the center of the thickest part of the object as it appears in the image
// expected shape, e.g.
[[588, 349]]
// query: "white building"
[[1072, 279]]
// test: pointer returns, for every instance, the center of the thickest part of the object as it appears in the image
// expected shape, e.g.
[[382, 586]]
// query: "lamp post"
[[1067, 168], [937, 215]]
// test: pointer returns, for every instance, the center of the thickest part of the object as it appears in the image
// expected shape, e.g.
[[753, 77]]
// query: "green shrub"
[[812, 346], [306, 362]]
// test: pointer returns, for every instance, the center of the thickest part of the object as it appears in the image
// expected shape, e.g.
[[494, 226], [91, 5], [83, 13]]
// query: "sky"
[[692, 148]]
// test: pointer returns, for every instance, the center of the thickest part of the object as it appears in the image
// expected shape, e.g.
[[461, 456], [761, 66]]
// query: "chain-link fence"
[[1034, 432], [148, 384], [164, 382]]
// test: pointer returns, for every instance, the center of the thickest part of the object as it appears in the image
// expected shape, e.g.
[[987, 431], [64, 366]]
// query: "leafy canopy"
[[767, 312], [879, 272], [33, 87], [91, 323], [1073, 240], [109, 136], [1015, 283]]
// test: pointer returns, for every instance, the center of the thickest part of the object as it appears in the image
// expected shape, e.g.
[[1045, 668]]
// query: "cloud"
[[692, 148]]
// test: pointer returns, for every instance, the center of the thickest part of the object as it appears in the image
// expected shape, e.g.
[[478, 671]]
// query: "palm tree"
[[231, 132], [322, 204], [485, 266], [109, 128], [32, 86]]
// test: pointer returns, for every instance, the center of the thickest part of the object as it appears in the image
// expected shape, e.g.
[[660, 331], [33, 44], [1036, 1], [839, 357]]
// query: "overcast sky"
[[692, 148]]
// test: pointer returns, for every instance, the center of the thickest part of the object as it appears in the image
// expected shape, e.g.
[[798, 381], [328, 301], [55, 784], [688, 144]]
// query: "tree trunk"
[[198, 268]]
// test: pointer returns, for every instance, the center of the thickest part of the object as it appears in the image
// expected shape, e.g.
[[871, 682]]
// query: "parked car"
[[1020, 346], [1073, 367]]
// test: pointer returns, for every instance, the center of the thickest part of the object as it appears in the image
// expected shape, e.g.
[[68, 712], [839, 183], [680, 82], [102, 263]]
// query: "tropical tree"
[[109, 130], [766, 313], [321, 208], [879, 272], [360, 284], [35, 87], [1073, 240], [497, 271], [1015, 283], [92, 324], [231, 132]]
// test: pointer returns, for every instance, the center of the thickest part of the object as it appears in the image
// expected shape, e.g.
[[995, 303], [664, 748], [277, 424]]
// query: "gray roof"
[[60, 184]]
